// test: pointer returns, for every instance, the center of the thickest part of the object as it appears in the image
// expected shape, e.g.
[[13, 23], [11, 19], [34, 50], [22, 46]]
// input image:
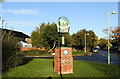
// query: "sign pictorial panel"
[[63, 25]]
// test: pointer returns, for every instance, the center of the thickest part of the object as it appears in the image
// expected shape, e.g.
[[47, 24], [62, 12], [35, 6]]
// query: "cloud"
[[20, 23], [22, 11]]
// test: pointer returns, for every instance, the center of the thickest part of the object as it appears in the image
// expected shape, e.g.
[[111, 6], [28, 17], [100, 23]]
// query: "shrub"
[[10, 48], [34, 53]]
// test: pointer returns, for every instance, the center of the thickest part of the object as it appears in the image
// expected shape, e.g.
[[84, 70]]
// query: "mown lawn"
[[44, 68], [78, 53]]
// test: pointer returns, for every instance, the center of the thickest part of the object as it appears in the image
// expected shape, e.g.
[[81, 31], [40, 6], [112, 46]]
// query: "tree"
[[50, 34], [115, 34], [68, 40], [79, 39], [104, 43], [91, 39], [36, 39], [10, 51], [97, 42], [45, 36]]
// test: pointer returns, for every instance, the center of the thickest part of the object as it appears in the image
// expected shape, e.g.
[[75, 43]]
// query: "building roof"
[[16, 33]]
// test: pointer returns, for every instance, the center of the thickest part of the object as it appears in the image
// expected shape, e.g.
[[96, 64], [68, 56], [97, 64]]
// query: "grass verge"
[[78, 53], [44, 68]]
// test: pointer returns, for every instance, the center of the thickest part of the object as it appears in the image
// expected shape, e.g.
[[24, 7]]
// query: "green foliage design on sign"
[[63, 25]]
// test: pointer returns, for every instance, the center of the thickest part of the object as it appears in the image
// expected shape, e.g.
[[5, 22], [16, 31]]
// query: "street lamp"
[[108, 34], [85, 40], [2, 23]]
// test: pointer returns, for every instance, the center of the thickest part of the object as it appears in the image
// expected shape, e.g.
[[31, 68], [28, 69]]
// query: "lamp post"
[[108, 34], [2, 23], [85, 40]]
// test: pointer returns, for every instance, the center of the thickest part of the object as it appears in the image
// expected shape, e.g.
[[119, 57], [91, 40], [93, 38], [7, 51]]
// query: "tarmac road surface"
[[100, 57]]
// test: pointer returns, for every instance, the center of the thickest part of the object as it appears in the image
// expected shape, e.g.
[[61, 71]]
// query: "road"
[[101, 57]]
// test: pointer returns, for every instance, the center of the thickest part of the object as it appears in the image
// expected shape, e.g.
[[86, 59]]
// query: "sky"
[[62, 0], [26, 16]]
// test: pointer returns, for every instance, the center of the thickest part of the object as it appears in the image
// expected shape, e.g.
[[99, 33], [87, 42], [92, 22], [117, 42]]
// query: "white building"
[[23, 44]]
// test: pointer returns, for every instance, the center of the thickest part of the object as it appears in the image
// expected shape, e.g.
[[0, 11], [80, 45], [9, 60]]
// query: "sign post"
[[63, 40], [63, 28], [63, 60]]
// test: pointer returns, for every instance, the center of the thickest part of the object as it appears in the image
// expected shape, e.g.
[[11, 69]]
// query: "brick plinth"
[[63, 60]]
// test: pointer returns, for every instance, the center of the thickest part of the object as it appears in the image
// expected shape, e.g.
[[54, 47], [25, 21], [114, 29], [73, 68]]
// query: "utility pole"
[[85, 40], [2, 25]]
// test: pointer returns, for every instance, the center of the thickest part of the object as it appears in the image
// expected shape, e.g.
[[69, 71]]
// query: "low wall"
[[28, 48]]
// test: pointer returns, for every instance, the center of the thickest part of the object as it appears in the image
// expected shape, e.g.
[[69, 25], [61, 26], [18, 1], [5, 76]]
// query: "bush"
[[34, 53], [10, 48]]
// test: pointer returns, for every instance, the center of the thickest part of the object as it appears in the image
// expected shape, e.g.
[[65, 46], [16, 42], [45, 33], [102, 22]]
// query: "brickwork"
[[29, 48], [63, 57]]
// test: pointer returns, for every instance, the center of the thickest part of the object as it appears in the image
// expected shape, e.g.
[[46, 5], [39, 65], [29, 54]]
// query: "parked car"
[[95, 50]]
